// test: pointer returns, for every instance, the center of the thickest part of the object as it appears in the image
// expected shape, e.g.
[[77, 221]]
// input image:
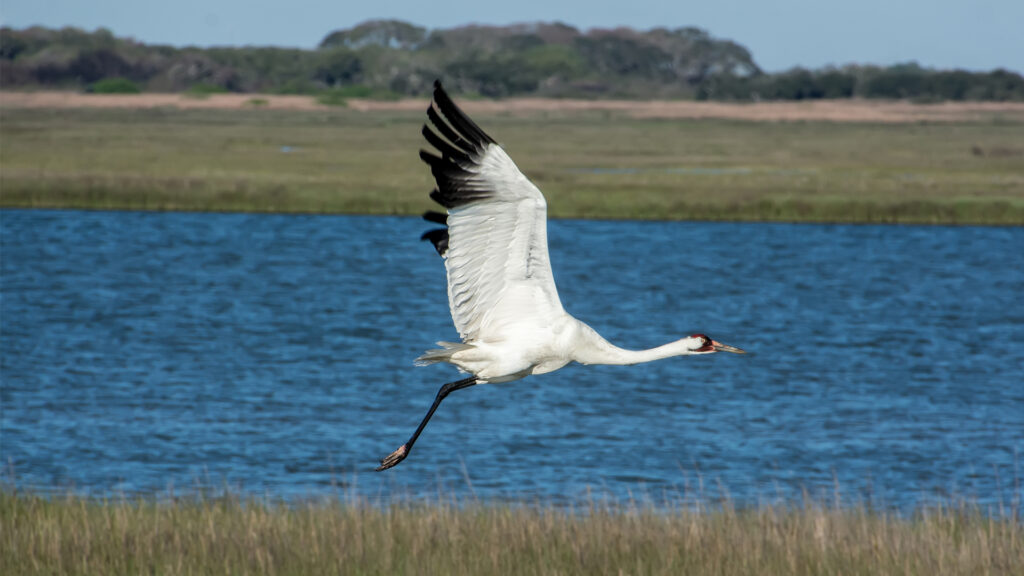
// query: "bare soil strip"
[[873, 111]]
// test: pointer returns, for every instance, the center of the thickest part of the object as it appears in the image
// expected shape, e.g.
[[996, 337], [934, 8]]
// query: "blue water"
[[273, 354]]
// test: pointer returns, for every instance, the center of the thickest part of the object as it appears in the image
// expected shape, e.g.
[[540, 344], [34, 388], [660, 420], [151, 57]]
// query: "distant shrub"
[[332, 98], [354, 91], [364, 91], [296, 87], [338, 67], [114, 86], [256, 102], [93, 65]]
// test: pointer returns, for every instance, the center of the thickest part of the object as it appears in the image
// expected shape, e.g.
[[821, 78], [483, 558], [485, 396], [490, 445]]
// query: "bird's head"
[[701, 344]]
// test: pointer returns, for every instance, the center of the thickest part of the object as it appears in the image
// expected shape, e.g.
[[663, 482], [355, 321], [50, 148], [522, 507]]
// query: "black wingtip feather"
[[439, 238], [445, 148], [435, 217], [436, 196], [430, 159], [462, 124], [461, 144], [450, 134]]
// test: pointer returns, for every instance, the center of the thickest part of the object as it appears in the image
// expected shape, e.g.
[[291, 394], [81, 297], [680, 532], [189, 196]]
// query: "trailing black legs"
[[398, 455]]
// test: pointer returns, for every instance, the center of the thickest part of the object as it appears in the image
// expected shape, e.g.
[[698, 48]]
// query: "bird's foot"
[[394, 458]]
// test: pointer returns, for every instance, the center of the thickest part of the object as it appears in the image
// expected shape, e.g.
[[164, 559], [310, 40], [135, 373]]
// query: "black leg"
[[398, 455]]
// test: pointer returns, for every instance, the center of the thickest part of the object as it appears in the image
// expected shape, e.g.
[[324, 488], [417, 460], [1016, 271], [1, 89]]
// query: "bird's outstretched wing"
[[495, 246]]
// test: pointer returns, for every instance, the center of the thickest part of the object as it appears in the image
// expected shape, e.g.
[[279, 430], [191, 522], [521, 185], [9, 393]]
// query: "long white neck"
[[591, 348]]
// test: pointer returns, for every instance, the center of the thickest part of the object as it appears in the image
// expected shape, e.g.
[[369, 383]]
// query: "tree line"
[[390, 58]]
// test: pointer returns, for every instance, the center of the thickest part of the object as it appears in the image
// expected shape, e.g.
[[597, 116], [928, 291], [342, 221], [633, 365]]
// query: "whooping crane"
[[501, 291]]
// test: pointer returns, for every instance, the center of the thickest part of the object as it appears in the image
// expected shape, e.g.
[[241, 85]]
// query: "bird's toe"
[[394, 458]]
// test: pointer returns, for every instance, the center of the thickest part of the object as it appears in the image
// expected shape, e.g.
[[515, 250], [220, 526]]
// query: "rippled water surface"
[[274, 354]]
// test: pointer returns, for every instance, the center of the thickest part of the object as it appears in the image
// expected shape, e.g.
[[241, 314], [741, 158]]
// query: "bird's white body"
[[528, 348], [501, 291]]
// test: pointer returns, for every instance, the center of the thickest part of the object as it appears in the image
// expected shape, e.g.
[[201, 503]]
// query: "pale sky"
[[971, 34]]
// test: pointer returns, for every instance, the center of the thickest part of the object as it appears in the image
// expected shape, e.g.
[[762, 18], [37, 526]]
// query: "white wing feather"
[[497, 258], [495, 246]]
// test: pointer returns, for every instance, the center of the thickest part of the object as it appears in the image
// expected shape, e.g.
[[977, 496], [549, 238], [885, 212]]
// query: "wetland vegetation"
[[590, 164], [228, 535]]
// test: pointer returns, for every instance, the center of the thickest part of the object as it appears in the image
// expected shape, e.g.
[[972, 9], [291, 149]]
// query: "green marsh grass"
[[589, 164], [332, 98], [231, 535], [114, 86]]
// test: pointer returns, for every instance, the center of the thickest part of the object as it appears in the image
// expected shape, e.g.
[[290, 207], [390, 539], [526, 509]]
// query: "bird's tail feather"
[[443, 354]]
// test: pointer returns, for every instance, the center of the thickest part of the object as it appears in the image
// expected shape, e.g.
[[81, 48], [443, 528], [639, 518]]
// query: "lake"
[[272, 354]]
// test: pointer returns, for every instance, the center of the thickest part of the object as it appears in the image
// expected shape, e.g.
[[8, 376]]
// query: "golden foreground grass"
[[591, 162], [75, 535]]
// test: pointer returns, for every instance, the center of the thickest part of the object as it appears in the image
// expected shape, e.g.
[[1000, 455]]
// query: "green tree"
[[338, 67], [11, 44]]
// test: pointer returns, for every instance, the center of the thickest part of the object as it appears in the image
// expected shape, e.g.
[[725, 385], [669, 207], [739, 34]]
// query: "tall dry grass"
[[230, 535]]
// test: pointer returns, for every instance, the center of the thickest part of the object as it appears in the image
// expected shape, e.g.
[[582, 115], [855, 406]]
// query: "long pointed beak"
[[719, 347]]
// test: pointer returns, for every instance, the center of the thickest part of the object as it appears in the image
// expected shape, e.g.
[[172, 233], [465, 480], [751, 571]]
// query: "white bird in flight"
[[500, 287]]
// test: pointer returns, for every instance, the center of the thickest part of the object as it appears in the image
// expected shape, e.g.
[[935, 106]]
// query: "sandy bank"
[[819, 110]]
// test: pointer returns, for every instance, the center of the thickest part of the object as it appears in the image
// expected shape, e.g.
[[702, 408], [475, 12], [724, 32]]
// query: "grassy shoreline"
[[75, 535], [590, 164]]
